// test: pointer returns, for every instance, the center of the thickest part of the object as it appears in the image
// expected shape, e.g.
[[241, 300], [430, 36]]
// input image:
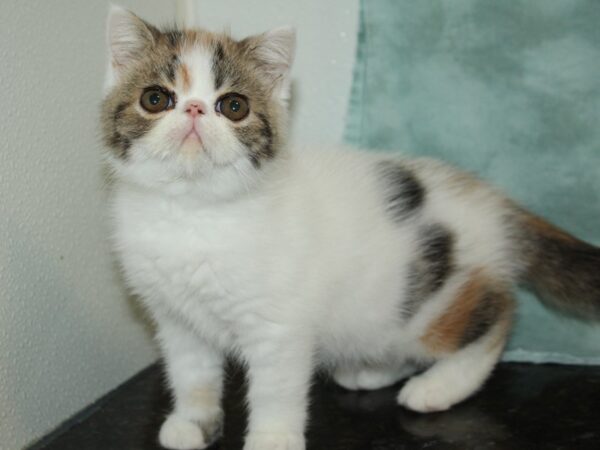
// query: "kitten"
[[373, 267]]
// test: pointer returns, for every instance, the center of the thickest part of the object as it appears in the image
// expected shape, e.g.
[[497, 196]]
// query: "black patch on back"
[[258, 139], [404, 193], [487, 313], [431, 268]]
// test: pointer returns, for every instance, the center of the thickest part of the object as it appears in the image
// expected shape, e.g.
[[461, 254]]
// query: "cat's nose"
[[195, 108]]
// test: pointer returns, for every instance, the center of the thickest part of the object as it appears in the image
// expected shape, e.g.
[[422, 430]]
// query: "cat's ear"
[[274, 52], [127, 36]]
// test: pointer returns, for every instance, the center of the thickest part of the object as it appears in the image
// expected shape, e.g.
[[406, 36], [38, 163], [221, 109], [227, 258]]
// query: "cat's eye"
[[233, 106], [156, 99]]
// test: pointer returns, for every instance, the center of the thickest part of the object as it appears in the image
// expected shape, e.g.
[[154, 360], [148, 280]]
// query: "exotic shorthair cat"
[[372, 267]]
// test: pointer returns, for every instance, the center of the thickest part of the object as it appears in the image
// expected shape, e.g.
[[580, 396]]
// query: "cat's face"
[[194, 102]]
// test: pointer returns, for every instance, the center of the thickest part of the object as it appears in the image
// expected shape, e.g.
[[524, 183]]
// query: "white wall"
[[67, 332], [326, 45]]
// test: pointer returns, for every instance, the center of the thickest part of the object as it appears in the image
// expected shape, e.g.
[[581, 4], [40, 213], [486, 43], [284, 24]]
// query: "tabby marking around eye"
[[156, 99], [233, 106]]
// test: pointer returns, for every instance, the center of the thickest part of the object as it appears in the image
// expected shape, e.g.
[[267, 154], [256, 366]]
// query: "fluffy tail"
[[563, 270]]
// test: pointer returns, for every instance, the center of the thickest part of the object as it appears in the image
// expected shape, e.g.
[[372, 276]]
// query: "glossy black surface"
[[521, 407]]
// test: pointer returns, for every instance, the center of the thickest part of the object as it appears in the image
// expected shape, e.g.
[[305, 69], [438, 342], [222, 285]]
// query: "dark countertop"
[[522, 406]]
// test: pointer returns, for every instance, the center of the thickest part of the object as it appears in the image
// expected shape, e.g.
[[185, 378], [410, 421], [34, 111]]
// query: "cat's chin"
[[196, 158], [191, 146]]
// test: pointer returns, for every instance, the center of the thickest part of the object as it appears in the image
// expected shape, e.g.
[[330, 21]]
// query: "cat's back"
[[401, 198]]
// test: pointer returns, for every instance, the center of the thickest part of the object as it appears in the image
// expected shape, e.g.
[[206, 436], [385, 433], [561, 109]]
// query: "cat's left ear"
[[127, 37], [274, 53]]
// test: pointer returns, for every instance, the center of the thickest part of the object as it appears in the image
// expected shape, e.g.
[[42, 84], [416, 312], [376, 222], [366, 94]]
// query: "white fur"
[[304, 268], [290, 266]]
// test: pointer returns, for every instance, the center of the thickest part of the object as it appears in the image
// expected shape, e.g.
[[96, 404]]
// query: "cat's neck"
[[237, 181]]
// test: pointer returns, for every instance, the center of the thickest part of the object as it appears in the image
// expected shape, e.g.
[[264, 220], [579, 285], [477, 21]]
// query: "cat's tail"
[[563, 270]]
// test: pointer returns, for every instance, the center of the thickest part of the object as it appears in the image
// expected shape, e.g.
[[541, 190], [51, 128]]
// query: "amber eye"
[[155, 99], [233, 106]]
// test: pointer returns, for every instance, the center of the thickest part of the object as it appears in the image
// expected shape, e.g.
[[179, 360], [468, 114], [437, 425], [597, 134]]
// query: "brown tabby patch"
[[236, 69], [122, 123]]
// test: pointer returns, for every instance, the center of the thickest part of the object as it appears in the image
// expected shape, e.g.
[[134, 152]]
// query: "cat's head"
[[185, 104]]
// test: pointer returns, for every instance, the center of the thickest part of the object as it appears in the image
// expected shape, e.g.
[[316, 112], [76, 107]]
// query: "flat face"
[[192, 100]]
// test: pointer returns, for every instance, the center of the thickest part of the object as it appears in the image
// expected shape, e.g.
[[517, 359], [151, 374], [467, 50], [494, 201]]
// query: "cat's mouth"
[[191, 143], [193, 135]]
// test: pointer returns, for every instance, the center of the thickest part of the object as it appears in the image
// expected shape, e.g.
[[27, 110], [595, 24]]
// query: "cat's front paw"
[[179, 433], [275, 441]]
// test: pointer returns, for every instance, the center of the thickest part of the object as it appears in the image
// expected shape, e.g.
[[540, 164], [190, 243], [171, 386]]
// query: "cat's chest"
[[190, 259]]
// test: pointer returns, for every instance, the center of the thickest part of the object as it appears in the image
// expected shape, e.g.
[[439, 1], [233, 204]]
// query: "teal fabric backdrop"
[[507, 89]]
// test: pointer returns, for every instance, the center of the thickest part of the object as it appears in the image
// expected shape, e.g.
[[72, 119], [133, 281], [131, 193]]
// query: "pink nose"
[[195, 107]]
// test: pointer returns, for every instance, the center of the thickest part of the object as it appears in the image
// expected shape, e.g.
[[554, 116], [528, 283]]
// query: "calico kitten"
[[372, 267]]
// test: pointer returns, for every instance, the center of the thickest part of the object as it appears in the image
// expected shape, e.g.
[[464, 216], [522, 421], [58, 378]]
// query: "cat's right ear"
[[127, 36]]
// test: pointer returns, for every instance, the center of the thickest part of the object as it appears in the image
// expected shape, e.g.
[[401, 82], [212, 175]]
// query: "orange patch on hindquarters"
[[477, 306]]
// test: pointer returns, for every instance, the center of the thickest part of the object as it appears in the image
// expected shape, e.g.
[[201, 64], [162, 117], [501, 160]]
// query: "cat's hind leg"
[[467, 339]]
